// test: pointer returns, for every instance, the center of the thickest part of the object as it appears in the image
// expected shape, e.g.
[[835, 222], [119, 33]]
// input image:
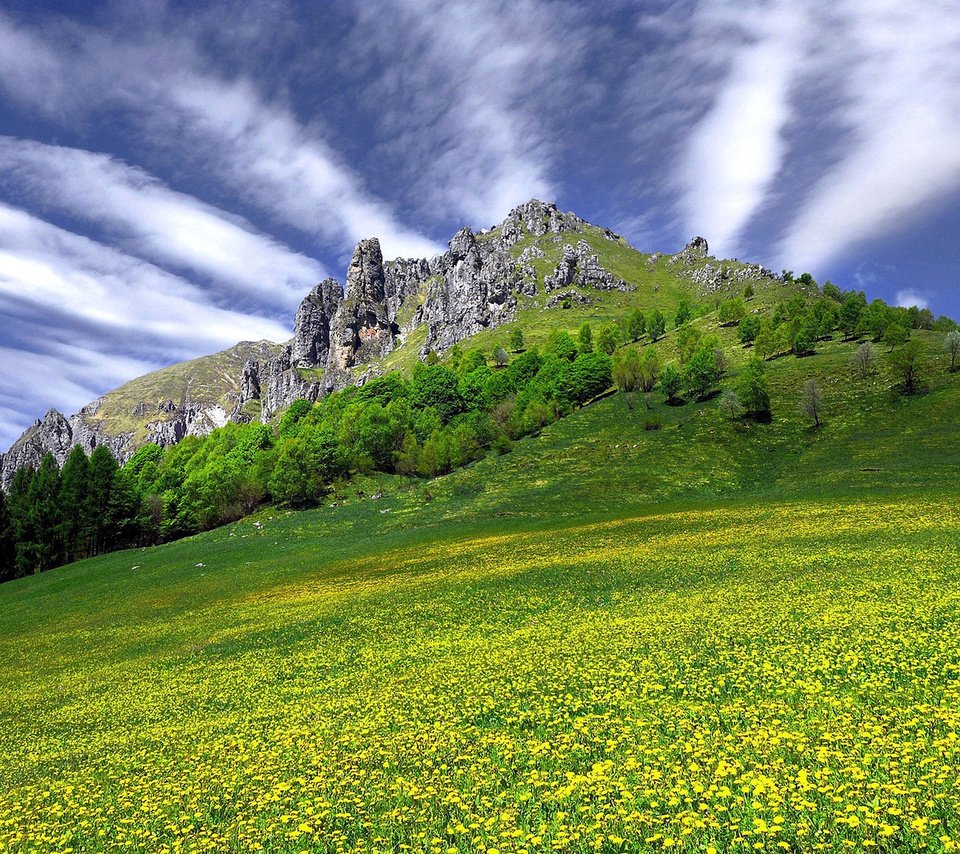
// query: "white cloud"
[[257, 149], [737, 149], [149, 220], [898, 77], [909, 298], [57, 270]]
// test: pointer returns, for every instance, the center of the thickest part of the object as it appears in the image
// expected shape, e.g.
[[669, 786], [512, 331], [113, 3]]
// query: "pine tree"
[[8, 545], [103, 473], [76, 526]]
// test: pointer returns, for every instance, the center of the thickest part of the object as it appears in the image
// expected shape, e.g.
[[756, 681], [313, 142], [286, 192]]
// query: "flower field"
[[741, 677]]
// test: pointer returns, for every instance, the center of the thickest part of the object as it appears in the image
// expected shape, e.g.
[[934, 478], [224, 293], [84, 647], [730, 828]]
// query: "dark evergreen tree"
[[8, 544], [77, 517]]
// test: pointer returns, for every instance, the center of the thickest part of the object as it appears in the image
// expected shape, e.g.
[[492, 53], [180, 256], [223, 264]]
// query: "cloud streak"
[[147, 219]]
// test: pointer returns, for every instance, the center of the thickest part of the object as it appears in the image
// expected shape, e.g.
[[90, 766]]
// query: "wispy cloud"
[[256, 148], [737, 149], [909, 298], [147, 219], [473, 97], [84, 317], [898, 80]]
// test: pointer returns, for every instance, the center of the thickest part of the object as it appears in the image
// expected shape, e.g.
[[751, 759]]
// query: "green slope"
[[212, 380]]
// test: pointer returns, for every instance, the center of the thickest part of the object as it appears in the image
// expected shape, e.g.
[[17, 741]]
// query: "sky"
[[174, 177]]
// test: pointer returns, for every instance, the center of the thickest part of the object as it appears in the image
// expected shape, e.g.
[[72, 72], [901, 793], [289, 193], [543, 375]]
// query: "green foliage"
[[292, 417], [586, 377], [906, 363], [671, 381], [636, 324], [688, 339], [951, 343], [748, 329], [656, 325], [895, 335], [752, 389], [8, 543], [436, 386], [704, 370], [561, 345], [748, 292], [516, 340], [609, 339], [585, 339], [684, 313], [627, 370], [731, 312]]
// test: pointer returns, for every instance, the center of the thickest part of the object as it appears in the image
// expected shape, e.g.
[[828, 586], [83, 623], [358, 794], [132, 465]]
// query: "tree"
[[748, 291], [703, 371], [952, 344], [730, 403], [906, 363], [586, 377], [500, 357], [8, 543], [585, 339], [436, 386], [811, 402], [656, 325], [45, 516], [894, 335], [688, 339], [802, 344], [752, 390], [749, 329], [731, 312], [863, 359], [103, 473], [649, 370], [627, 370], [77, 523], [671, 381], [850, 312], [608, 339], [764, 344], [561, 345], [516, 340], [684, 313], [636, 324]]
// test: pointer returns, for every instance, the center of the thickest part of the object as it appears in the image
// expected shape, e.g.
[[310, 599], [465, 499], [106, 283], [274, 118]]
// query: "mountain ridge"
[[538, 258]]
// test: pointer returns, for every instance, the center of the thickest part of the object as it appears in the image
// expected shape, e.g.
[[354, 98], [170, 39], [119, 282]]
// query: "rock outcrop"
[[311, 326]]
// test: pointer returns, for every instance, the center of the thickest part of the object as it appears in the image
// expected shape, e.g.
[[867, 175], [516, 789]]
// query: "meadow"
[[731, 676]]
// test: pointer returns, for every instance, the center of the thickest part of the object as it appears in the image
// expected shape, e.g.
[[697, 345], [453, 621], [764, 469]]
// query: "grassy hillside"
[[609, 639], [726, 675], [207, 381]]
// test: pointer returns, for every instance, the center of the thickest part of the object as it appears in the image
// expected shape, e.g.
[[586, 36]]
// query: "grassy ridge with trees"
[[451, 413]]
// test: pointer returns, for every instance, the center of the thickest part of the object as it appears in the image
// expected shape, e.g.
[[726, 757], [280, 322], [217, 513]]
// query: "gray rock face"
[[311, 326], [580, 266], [361, 330], [537, 218], [696, 250], [57, 435], [404, 279], [281, 383]]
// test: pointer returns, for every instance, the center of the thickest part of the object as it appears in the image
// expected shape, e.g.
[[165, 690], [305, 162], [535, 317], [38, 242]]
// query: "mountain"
[[538, 261]]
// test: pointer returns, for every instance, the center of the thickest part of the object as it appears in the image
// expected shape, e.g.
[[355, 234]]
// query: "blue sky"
[[175, 176]]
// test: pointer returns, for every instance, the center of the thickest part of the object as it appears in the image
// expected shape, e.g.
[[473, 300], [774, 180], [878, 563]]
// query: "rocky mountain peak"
[[365, 279], [311, 326]]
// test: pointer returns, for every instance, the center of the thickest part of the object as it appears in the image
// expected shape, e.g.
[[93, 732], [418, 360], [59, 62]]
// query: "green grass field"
[[714, 635], [702, 637]]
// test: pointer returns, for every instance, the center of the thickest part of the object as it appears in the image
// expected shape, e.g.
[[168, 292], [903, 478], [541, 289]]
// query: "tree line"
[[445, 416]]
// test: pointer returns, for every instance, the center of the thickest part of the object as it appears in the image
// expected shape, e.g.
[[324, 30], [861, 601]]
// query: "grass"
[[714, 635], [694, 676], [206, 381], [609, 639]]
